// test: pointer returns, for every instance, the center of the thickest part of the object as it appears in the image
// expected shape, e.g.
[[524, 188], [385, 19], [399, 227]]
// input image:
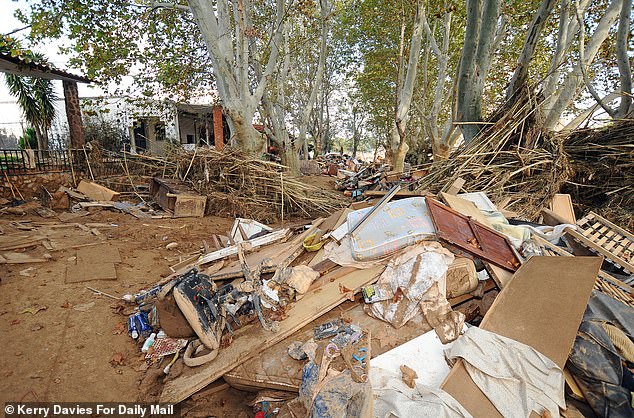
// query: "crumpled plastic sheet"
[[433, 261], [596, 362]]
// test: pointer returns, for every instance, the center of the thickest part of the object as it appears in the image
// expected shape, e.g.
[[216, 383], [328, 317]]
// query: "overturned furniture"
[[176, 198]]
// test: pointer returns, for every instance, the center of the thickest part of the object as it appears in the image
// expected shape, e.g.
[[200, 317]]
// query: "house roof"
[[19, 66]]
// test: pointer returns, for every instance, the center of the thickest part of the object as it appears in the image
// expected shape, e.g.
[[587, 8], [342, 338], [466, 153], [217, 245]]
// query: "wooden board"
[[97, 192], [551, 218], [472, 236], [252, 339], [456, 186], [94, 263], [500, 276], [275, 369], [84, 272], [15, 241], [605, 282], [542, 307], [20, 258], [98, 254], [381, 193], [465, 207], [562, 206]]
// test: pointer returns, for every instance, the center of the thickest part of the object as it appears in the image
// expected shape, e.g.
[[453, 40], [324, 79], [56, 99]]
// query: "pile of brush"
[[596, 166], [244, 186], [525, 176], [603, 163]]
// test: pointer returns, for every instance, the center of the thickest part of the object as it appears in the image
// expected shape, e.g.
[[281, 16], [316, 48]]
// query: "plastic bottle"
[[144, 327], [142, 295], [148, 343], [132, 327]]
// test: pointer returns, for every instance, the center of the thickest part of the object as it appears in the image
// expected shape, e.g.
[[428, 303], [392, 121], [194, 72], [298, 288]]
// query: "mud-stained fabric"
[[515, 377], [393, 398]]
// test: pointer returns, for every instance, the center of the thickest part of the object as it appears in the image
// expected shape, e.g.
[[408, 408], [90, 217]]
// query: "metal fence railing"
[[13, 161], [102, 164], [25, 162]]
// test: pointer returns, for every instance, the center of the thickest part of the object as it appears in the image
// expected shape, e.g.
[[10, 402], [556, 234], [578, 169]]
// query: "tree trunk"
[[440, 150], [530, 43], [250, 140], [232, 53], [290, 158], [42, 140], [623, 61], [474, 64], [399, 156], [570, 89]]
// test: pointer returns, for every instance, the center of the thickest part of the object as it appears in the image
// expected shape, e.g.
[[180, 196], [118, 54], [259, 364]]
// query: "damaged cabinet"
[[176, 198]]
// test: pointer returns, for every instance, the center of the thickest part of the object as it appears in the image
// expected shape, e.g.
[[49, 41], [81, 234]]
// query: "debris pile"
[[238, 185], [595, 166], [359, 310]]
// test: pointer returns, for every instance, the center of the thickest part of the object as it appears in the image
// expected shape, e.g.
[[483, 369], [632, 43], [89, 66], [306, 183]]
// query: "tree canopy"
[[314, 70]]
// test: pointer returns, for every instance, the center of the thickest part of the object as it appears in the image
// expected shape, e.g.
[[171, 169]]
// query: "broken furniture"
[[472, 236], [177, 198], [602, 237]]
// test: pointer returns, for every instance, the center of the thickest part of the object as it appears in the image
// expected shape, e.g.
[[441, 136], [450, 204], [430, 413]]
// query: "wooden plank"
[[500, 276], [250, 340], [256, 242], [465, 207], [16, 241], [456, 186], [542, 307], [551, 218], [97, 192], [20, 258], [562, 206], [402, 193]]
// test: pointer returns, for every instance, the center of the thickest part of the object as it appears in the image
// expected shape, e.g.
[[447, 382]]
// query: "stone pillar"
[[73, 114], [219, 136]]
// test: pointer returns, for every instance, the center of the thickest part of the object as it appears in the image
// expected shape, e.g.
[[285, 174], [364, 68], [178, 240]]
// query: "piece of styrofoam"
[[424, 354]]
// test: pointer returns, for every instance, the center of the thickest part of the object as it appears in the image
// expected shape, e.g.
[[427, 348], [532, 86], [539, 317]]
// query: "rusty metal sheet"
[[472, 236]]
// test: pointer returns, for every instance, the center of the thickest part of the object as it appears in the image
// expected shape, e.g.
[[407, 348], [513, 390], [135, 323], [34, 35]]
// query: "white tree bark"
[[528, 50], [398, 140], [563, 97], [623, 61], [228, 46], [474, 63], [319, 76]]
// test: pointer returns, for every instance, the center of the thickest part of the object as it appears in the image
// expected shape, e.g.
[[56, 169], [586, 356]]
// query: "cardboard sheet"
[[542, 307]]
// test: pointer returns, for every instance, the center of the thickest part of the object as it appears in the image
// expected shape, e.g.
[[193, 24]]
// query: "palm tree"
[[36, 98]]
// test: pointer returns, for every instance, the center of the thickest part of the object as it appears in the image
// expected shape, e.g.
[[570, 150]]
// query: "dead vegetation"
[[594, 165], [238, 185]]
